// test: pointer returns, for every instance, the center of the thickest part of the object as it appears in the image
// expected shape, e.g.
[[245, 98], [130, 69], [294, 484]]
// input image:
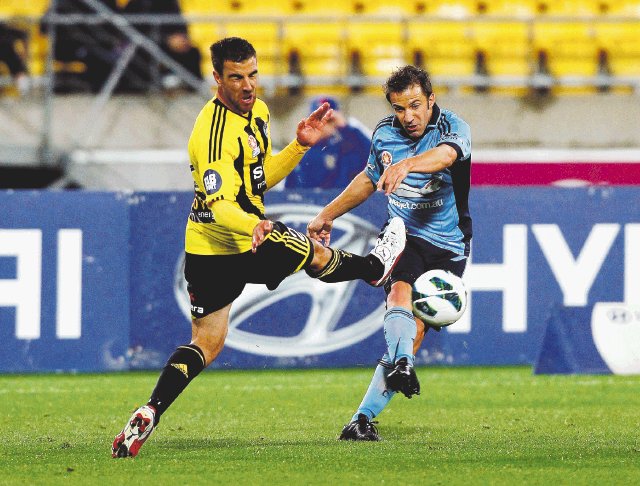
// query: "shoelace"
[[390, 239]]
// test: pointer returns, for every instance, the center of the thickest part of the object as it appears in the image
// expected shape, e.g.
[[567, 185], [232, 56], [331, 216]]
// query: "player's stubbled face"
[[413, 109], [237, 85]]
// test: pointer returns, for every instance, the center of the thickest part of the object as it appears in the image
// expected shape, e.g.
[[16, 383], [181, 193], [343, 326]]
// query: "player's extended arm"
[[433, 160], [233, 218], [279, 166], [237, 221], [308, 132], [358, 191]]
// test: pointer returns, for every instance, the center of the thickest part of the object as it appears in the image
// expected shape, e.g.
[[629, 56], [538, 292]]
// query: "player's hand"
[[319, 229], [310, 129], [393, 176], [260, 232]]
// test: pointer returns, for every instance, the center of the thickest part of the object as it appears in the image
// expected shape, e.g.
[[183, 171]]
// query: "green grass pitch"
[[470, 426]]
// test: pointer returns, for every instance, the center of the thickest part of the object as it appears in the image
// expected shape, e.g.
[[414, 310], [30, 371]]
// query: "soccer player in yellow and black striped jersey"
[[229, 241]]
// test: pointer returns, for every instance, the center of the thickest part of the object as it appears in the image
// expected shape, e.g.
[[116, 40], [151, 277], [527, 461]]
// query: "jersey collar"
[[433, 122], [247, 117]]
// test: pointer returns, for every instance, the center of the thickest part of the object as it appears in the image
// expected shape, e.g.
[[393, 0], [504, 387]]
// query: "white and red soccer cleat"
[[138, 429]]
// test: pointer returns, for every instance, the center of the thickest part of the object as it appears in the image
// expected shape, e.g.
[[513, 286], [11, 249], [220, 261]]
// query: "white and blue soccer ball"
[[439, 298]]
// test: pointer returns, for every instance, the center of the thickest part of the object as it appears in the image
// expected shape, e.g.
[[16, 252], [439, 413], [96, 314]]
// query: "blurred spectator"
[[336, 160], [85, 53], [11, 56], [171, 37]]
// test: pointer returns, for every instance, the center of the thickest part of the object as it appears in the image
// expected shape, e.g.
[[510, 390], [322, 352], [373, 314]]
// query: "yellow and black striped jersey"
[[227, 153]]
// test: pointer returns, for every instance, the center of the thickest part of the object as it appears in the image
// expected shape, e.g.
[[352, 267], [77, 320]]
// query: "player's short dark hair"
[[230, 49], [406, 76]]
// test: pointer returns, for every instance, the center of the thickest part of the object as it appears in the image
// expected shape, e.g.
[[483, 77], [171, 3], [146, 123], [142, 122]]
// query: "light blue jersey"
[[433, 206]]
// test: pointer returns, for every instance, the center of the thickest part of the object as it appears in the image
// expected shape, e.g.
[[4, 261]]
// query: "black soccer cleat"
[[403, 379], [360, 429]]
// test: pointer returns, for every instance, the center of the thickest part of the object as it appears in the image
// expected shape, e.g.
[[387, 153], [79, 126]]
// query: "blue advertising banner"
[[93, 281], [64, 287]]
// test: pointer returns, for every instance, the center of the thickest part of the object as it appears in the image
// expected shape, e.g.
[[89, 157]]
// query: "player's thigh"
[[284, 252], [213, 281]]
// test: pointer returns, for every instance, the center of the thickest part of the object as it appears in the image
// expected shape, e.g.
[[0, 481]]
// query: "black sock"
[[183, 365], [345, 266]]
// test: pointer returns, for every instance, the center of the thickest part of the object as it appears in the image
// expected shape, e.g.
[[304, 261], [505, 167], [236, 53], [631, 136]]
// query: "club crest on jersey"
[[253, 143], [387, 160], [211, 181]]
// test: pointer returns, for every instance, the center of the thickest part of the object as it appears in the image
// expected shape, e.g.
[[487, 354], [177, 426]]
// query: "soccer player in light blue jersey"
[[420, 158]]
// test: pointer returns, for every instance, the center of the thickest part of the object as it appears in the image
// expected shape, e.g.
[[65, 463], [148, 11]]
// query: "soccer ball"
[[439, 298]]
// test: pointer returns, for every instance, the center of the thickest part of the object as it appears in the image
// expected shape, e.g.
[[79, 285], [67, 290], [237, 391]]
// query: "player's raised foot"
[[389, 247], [138, 429], [360, 429], [403, 379]]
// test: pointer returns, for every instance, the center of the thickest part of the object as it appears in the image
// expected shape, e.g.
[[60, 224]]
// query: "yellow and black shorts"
[[214, 281]]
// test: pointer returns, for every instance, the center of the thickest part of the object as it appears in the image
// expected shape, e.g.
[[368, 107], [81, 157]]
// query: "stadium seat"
[[570, 47], [265, 38], [621, 41], [629, 8], [32, 8], [202, 35], [320, 8], [235, 7], [378, 45], [319, 47], [445, 47], [505, 45], [451, 8]]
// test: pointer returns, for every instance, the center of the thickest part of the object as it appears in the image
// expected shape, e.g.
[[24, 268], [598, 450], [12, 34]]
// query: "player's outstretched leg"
[[403, 379], [360, 429], [389, 247], [138, 429]]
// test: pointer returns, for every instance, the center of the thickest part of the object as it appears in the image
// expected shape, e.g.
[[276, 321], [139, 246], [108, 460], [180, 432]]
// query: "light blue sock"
[[399, 332], [377, 395]]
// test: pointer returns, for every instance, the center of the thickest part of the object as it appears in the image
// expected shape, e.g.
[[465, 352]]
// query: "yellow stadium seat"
[[323, 7], [570, 47], [32, 8], [379, 45], [445, 46], [384, 7], [625, 7], [202, 35], [621, 41], [265, 38], [452, 8], [505, 44], [519, 8], [319, 47]]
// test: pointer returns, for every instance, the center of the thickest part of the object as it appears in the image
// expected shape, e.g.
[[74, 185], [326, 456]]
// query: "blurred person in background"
[[85, 52], [229, 241], [172, 37], [13, 57], [338, 157], [421, 159]]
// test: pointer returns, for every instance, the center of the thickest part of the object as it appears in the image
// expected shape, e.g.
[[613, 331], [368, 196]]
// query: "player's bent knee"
[[321, 257]]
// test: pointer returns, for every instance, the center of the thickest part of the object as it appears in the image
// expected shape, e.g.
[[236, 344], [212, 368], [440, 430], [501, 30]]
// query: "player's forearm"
[[358, 191], [433, 160], [279, 166], [233, 218]]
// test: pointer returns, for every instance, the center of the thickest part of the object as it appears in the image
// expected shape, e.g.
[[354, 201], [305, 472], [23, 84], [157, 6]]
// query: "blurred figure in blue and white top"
[[421, 159], [336, 160]]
